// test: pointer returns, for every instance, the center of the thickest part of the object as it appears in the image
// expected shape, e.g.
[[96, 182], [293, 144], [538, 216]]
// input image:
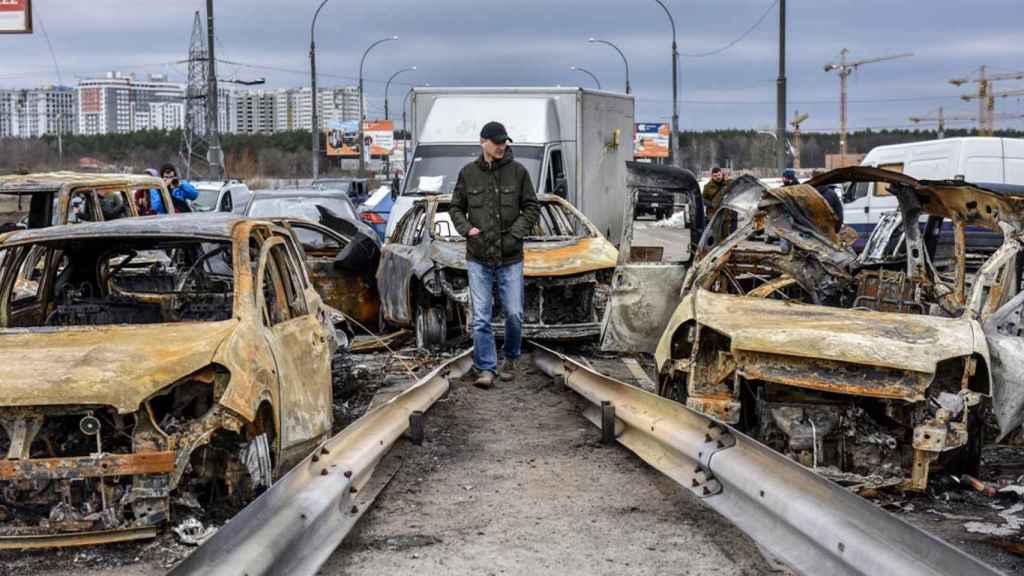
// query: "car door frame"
[[645, 294], [398, 265], [304, 411]]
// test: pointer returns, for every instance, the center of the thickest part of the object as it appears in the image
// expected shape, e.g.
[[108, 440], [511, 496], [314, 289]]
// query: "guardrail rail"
[[809, 523], [294, 526]]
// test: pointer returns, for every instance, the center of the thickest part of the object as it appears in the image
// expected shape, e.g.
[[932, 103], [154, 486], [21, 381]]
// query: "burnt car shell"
[[869, 367], [147, 365]]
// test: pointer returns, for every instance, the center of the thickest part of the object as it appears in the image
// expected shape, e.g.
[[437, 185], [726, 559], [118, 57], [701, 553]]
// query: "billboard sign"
[[651, 140], [343, 138], [15, 16]]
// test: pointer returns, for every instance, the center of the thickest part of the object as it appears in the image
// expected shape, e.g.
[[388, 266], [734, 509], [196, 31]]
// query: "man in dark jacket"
[[830, 192], [494, 207], [712, 192]]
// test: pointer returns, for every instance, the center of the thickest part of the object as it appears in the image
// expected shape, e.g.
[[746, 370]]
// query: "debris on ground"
[[1013, 522], [192, 532]]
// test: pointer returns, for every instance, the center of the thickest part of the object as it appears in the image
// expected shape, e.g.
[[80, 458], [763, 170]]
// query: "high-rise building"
[[255, 112], [32, 113], [120, 103], [282, 110]]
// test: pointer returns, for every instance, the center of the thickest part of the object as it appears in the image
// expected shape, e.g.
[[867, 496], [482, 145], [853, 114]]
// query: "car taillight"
[[371, 218]]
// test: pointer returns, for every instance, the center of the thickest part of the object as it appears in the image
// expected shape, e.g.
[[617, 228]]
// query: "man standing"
[[494, 207], [712, 192]]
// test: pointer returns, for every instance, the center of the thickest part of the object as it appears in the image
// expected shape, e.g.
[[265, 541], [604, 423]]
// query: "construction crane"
[[941, 119], [797, 120], [844, 69], [986, 98]]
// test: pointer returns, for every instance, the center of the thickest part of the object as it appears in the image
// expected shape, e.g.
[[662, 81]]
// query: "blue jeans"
[[481, 296]]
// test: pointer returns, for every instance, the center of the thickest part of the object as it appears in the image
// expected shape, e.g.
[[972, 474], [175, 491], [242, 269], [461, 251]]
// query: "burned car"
[[342, 252], [184, 356], [879, 366], [54, 198], [567, 268]]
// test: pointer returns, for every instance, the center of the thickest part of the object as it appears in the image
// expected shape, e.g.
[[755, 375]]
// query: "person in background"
[[156, 202], [182, 191], [789, 177], [712, 192], [830, 193]]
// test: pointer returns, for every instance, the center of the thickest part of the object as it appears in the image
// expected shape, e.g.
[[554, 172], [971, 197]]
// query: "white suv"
[[226, 196]]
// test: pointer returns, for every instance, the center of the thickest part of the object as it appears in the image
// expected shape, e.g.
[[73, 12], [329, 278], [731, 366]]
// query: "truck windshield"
[[435, 169]]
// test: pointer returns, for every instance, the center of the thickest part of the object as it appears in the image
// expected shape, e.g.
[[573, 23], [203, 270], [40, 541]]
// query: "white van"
[[978, 160]]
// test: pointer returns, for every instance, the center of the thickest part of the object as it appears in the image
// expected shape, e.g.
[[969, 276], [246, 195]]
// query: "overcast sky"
[[533, 42]]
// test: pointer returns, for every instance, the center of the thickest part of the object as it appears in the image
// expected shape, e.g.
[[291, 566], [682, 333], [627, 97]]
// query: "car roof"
[[50, 181], [299, 193], [207, 225]]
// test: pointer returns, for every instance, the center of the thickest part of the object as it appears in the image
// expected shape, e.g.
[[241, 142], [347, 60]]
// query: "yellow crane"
[[986, 97], [844, 68], [941, 119]]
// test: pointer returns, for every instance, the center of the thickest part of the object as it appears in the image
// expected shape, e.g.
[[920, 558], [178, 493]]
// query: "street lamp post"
[[362, 107], [314, 128], [587, 72], [672, 145], [388, 87], [624, 61]]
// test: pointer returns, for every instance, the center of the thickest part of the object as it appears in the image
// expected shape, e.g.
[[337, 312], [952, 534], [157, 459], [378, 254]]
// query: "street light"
[[314, 128], [624, 61], [675, 87], [388, 86], [588, 72], [362, 107]]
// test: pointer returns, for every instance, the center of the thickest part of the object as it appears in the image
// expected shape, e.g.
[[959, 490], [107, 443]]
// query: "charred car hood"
[[557, 258], [117, 366], [898, 341]]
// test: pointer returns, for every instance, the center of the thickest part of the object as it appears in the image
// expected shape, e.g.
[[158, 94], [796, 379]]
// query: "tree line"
[[286, 154]]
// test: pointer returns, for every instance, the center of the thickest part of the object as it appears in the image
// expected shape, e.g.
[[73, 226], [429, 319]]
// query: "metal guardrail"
[[804, 520], [293, 527]]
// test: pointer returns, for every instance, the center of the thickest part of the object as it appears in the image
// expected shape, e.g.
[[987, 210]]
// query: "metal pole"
[[589, 73], [215, 156], [60, 137], [362, 107], [624, 61], [780, 120], [314, 126], [387, 87], [844, 73], [672, 144], [942, 124]]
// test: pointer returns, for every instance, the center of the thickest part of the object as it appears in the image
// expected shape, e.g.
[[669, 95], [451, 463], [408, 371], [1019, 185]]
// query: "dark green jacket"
[[712, 194], [497, 198]]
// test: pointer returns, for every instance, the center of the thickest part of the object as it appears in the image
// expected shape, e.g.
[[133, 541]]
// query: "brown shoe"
[[485, 381], [507, 371]]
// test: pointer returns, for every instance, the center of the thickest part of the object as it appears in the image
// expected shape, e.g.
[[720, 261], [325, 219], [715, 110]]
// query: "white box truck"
[[574, 143], [981, 160]]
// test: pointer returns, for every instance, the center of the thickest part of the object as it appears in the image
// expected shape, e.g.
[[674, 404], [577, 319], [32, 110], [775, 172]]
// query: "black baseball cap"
[[495, 132]]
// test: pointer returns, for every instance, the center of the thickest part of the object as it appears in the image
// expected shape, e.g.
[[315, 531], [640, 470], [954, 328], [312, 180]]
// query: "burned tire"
[[431, 326], [967, 460]]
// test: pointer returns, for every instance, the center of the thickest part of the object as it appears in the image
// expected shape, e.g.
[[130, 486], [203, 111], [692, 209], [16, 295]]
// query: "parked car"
[[153, 358], [567, 267], [226, 196], [655, 202], [355, 189], [881, 366], [377, 209], [344, 252], [71, 197]]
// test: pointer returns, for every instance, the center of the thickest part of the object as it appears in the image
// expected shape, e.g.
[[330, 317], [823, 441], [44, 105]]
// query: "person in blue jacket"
[[182, 191]]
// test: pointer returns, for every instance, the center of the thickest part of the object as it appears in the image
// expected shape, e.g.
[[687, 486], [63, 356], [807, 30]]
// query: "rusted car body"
[[870, 367], [184, 356], [72, 197], [567, 267]]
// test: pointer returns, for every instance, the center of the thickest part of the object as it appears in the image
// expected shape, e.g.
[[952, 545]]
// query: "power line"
[[738, 38], [53, 55], [821, 101]]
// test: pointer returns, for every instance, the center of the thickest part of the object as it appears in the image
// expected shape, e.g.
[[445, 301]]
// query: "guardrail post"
[[607, 423], [416, 431]]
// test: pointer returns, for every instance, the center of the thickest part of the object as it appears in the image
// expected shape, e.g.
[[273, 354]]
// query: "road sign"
[[15, 16]]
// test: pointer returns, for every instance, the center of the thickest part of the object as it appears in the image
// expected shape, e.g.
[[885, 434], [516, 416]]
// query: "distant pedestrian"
[[830, 192], [712, 192], [182, 191], [789, 177], [155, 205], [494, 207]]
